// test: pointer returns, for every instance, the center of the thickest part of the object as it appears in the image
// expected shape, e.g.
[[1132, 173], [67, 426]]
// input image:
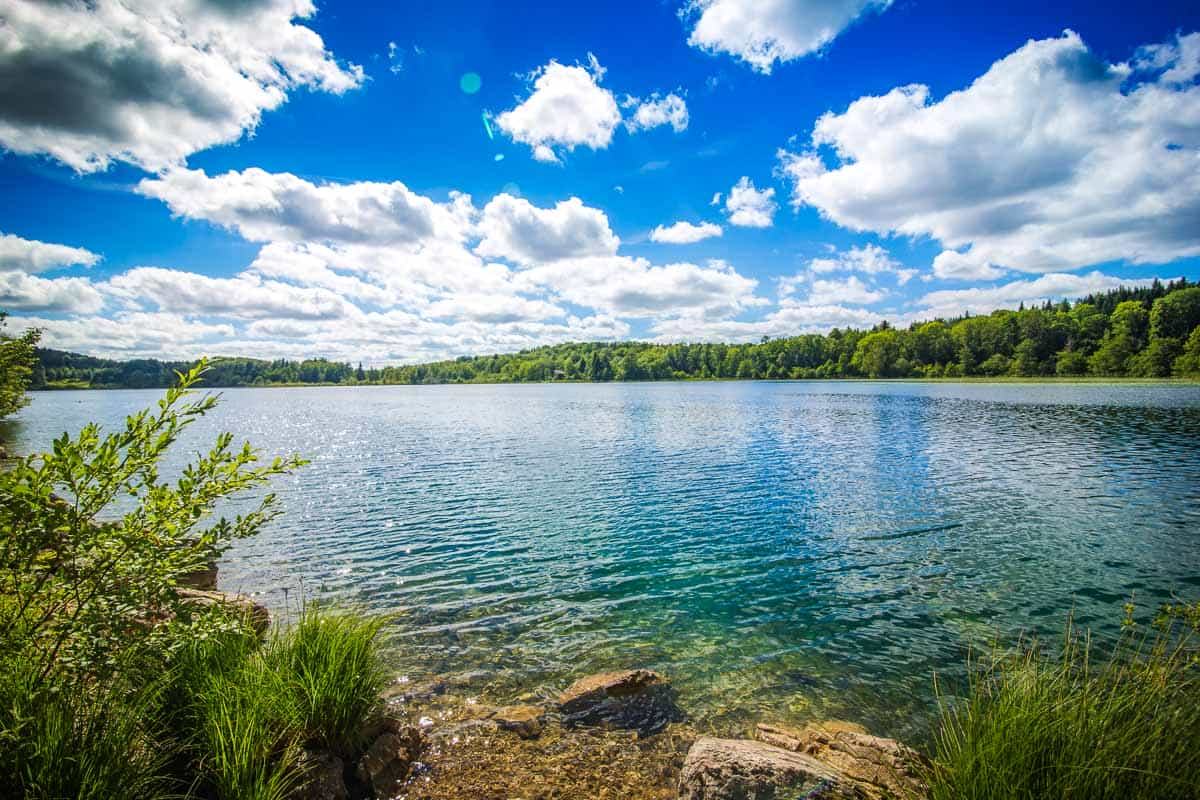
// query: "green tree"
[[1127, 330], [1175, 315], [18, 360], [877, 353], [1188, 364]]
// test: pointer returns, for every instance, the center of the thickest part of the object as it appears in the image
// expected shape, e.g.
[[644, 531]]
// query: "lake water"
[[779, 549]]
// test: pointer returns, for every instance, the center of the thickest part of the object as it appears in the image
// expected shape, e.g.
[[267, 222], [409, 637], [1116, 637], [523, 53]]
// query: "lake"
[[779, 549]]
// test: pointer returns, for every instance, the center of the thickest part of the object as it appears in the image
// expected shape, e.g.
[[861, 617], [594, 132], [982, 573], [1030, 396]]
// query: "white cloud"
[[244, 296], [515, 229], [151, 81], [657, 110], [750, 207], [1050, 161], [129, 335], [1053, 286], [684, 232], [716, 199], [634, 287], [763, 32], [567, 109], [850, 291], [29, 292], [788, 320], [953, 265], [265, 206], [28, 255], [870, 259]]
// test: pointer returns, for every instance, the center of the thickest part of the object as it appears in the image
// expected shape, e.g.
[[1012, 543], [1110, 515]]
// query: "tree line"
[[1151, 331]]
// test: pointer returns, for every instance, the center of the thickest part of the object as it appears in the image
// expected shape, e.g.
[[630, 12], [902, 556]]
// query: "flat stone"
[[743, 769], [257, 615], [323, 777], [636, 699], [882, 767], [525, 720]]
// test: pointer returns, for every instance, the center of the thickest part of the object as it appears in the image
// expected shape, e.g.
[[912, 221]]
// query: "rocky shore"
[[617, 735], [609, 736]]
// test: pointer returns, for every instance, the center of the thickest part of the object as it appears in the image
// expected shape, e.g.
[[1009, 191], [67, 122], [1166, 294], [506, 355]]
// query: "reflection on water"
[[780, 548]]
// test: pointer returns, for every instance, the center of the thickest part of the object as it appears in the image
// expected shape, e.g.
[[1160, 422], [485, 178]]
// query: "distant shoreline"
[[964, 380]]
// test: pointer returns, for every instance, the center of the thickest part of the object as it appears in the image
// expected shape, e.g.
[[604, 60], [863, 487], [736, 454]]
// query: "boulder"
[[257, 615], [387, 762], [635, 699], [205, 578], [525, 721], [322, 777], [743, 769], [882, 767]]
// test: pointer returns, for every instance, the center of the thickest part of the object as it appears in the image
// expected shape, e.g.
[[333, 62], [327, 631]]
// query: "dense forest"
[[1152, 332]]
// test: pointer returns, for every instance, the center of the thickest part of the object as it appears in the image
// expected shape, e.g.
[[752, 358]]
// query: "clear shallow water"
[[785, 549]]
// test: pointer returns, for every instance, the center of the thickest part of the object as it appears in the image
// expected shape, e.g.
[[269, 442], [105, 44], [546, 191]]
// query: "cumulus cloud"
[[850, 291], [31, 293], [567, 108], [1051, 161], [684, 232], [244, 296], [657, 110], [151, 81], [764, 32], [749, 207], [515, 229], [788, 320], [130, 335], [265, 206], [28, 255], [1053, 286], [870, 259], [634, 287]]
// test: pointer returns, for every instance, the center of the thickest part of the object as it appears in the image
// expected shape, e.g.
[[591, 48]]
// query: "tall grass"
[[327, 666], [227, 719], [248, 711], [99, 742], [1078, 724]]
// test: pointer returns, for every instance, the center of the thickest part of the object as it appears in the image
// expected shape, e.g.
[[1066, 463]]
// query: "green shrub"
[[1036, 726]]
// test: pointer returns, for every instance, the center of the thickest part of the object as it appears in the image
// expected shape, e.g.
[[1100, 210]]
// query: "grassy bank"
[[1083, 722]]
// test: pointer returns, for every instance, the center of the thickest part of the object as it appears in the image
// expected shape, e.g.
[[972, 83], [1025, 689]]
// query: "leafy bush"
[[85, 588], [18, 359], [1034, 726]]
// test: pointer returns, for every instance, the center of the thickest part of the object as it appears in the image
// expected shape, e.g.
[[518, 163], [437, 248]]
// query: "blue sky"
[[272, 178]]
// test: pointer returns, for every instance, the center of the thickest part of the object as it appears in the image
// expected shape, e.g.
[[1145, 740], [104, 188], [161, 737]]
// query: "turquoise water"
[[780, 549]]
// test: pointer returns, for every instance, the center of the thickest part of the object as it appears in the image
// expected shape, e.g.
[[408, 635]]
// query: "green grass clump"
[[326, 664], [94, 743], [1035, 726], [248, 710]]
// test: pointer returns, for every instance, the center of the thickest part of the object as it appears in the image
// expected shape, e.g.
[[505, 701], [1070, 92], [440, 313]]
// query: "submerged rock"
[[389, 758], [323, 777], [882, 767], [636, 699], [743, 769], [525, 721]]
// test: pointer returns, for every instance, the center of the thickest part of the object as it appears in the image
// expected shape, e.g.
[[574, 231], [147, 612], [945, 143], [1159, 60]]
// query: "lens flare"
[[470, 82]]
